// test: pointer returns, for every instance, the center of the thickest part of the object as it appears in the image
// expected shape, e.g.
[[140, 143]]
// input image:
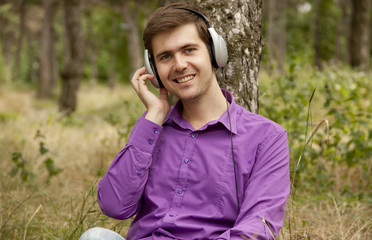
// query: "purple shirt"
[[180, 182]]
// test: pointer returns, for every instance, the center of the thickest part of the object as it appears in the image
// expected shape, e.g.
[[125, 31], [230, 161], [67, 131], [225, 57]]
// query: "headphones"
[[218, 51]]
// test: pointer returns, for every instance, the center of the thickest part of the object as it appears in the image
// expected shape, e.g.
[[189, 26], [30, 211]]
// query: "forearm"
[[120, 190]]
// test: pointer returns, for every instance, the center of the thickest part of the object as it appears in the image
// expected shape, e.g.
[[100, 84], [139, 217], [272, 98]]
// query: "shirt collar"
[[175, 114]]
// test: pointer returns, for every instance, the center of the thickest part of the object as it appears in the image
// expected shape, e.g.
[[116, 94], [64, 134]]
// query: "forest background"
[[67, 108]]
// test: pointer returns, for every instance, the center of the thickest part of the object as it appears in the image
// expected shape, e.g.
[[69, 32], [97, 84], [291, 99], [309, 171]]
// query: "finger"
[[141, 84], [143, 78], [136, 75]]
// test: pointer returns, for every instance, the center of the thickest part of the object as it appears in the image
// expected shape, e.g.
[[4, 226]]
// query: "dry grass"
[[325, 218], [83, 146]]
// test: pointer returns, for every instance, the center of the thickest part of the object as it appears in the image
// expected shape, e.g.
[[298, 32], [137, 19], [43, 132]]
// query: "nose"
[[180, 62]]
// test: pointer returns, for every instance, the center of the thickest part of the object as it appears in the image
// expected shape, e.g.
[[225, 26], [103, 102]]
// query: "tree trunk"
[[360, 34], [73, 66], [346, 13], [33, 58], [341, 52], [276, 32], [7, 38], [22, 29], [92, 49], [240, 23], [317, 39], [47, 50], [130, 15], [166, 2]]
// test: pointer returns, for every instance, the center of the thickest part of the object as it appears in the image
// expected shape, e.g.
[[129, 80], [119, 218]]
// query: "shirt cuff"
[[145, 136]]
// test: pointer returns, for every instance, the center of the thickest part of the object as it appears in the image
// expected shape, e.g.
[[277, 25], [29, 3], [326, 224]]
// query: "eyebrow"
[[188, 45]]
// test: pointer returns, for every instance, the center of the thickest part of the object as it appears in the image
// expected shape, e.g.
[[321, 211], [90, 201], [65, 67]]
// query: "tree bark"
[[47, 50], [72, 69], [240, 23], [166, 2], [360, 34]]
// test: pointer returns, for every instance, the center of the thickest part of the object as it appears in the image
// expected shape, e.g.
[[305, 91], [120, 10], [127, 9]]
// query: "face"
[[183, 63]]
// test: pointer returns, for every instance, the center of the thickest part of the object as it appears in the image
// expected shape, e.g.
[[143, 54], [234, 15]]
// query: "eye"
[[164, 57], [189, 50]]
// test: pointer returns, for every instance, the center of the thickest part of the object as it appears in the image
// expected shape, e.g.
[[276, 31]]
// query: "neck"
[[201, 111]]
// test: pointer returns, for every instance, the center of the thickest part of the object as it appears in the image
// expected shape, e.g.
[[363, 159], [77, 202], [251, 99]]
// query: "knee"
[[98, 233]]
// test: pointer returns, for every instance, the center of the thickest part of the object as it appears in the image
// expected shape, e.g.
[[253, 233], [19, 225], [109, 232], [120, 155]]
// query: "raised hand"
[[157, 107]]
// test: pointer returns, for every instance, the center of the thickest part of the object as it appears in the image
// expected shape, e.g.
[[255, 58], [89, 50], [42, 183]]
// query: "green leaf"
[[52, 169], [43, 149]]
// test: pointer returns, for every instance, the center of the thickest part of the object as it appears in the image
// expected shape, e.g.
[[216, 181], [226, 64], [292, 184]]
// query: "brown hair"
[[169, 17]]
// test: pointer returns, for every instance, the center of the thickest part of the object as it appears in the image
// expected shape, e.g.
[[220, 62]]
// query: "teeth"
[[185, 79]]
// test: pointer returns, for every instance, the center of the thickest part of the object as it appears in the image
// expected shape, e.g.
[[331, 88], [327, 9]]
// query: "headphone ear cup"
[[219, 49], [151, 69]]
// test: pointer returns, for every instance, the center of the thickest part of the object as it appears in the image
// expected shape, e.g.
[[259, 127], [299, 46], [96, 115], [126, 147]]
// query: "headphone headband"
[[197, 13]]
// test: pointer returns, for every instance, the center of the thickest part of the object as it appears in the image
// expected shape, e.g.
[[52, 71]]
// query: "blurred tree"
[[276, 31], [72, 69], [325, 30], [8, 35], [48, 62], [91, 42], [30, 60], [240, 23], [360, 34], [22, 31], [130, 17], [342, 38]]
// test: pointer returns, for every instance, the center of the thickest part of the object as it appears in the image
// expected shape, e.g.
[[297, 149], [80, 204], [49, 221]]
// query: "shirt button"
[[157, 234], [179, 191], [186, 160], [171, 215], [155, 130], [193, 135], [150, 141], [139, 173]]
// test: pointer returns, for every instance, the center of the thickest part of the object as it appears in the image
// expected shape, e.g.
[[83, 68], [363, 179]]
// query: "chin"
[[187, 94], [188, 97]]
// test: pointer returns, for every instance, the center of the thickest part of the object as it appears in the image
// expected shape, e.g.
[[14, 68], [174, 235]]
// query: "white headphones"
[[218, 51]]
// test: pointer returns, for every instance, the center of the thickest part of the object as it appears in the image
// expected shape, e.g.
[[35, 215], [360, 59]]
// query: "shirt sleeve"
[[262, 211], [120, 190]]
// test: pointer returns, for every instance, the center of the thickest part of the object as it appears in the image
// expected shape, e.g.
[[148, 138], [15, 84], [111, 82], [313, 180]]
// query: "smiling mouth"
[[184, 79]]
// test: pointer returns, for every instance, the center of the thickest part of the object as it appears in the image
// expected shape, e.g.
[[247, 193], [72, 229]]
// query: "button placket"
[[183, 178]]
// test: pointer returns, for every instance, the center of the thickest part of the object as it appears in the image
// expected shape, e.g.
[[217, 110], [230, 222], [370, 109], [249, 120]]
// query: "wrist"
[[155, 116]]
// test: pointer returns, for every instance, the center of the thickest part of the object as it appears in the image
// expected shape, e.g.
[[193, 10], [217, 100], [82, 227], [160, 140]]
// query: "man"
[[205, 168]]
